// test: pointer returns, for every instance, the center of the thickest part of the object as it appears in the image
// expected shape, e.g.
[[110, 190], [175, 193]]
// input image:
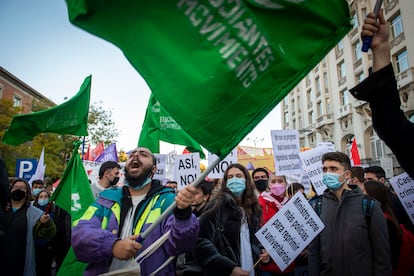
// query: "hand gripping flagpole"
[[174, 204], [366, 43]]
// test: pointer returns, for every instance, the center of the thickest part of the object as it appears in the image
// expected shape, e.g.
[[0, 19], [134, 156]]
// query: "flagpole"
[[83, 148], [174, 204]]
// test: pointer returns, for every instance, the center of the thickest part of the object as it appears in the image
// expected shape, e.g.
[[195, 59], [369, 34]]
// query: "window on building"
[[309, 97], [377, 146], [328, 105], [1, 91], [300, 122], [294, 124], [325, 80], [286, 118], [402, 61], [396, 26], [319, 109], [340, 45], [286, 100], [344, 97], [310, 117], [354, 20], [17, 101], [341, 70], [357, 50], [360, 77], [318, 85]]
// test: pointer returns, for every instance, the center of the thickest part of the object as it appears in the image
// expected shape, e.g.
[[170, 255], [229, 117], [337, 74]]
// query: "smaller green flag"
[[70, 117], [74, 195], [159, 125]]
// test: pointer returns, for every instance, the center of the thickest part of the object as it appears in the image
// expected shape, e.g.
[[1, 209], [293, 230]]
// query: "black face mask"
[[261, 185], [114, 182], [18, 195], [352, 186]]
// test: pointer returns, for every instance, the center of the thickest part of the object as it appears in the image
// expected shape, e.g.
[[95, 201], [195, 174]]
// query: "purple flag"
[[109, 154]]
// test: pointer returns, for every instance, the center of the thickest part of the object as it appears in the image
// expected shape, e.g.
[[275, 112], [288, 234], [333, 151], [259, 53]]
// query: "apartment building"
[[321, 107], [22, 95]]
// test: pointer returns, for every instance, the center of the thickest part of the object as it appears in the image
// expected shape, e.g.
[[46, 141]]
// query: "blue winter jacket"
[[96, 232]]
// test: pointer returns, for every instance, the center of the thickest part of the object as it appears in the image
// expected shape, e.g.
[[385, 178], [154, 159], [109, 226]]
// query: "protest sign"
[[312, 166], [403, 186], [218, 171], [169, 166], [187, 168], [329, 145], [290, 231], [161, 161], [285, 150]]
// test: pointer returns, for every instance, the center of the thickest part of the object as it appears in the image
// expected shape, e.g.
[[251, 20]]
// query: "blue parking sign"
[[25, 168]]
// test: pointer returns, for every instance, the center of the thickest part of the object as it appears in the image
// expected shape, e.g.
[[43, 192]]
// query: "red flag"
[[87, 154], [96, 151], [355, 160], [186, 151]]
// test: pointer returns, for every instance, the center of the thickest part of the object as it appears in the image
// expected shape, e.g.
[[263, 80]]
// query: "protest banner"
[[285, 150], [218, 171], [403, 186], [290, 231], [187, 168], [312, 166]]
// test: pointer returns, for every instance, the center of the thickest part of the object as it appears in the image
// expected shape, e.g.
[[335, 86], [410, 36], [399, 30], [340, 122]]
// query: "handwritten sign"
[[220, 168], [403, 186], [285, 151], [187, 168], [290, 231], [312, 166]]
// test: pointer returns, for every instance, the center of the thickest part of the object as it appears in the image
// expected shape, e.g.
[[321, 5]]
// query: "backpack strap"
[[368, 207]]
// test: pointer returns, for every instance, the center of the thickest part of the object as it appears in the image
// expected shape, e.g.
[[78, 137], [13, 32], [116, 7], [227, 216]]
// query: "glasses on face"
[[258, 177]]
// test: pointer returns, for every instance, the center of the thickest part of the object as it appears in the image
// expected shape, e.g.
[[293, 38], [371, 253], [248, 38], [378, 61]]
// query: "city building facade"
[[321, 106], [21, 94]]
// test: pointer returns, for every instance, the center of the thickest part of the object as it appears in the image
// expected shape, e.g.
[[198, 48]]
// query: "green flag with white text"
[[74, 195], [70, 117], [160, 126], [218, 67]]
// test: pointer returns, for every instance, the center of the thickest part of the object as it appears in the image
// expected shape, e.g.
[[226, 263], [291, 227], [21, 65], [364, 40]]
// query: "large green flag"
[[70, 117], [159, 125], [218, 67], [74, 195]]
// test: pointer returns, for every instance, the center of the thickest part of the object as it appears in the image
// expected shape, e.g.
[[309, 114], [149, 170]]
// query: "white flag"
[[40, 169]]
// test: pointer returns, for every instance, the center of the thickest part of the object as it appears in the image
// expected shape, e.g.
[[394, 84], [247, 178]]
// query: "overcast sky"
[[39, 46]]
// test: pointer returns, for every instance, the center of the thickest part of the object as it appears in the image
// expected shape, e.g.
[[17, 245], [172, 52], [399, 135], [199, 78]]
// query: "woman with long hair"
[[379, 191], [227, 244]]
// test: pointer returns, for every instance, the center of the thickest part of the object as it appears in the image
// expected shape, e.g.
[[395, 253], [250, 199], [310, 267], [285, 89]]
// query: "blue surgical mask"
[[36, 191], [331, 180], [43, 202], [139, 187], [236, 185]]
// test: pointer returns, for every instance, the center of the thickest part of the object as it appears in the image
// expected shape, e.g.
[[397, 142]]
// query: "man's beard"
[[136, 181]]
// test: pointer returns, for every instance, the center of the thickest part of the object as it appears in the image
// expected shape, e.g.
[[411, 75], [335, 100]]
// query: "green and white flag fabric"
[[160, 126], [70, 117], [74, 195], [217, 66]]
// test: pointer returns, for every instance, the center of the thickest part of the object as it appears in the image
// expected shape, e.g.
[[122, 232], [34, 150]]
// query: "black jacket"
[[218, 245], [389, 121]]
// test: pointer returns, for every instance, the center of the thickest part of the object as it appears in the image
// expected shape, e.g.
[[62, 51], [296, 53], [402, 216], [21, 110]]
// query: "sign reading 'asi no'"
[[187, 168]]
